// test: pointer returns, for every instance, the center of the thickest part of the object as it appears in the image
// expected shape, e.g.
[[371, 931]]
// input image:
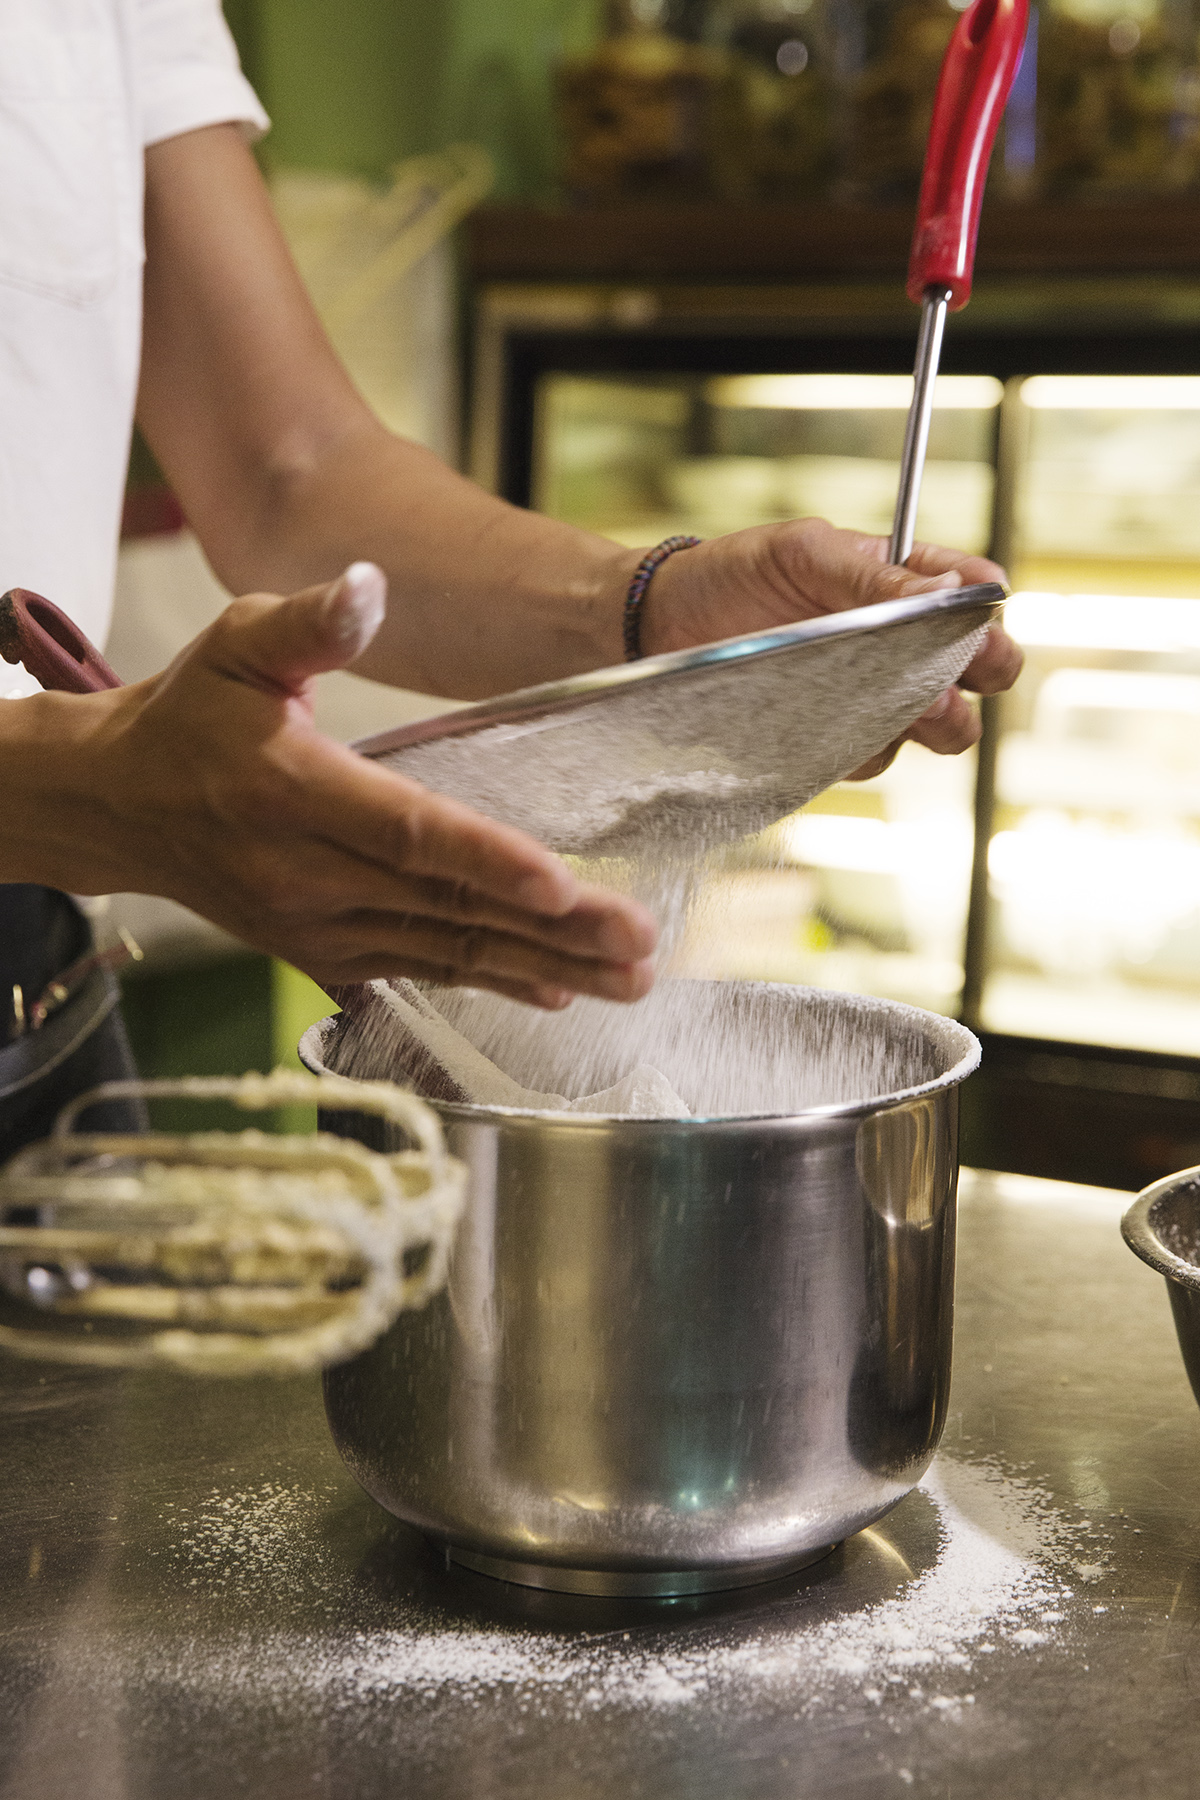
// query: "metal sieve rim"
[[312, 1046], [977, 605]]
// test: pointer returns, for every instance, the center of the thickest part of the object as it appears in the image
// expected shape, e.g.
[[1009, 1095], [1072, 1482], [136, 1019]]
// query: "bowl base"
[[648, 1583]]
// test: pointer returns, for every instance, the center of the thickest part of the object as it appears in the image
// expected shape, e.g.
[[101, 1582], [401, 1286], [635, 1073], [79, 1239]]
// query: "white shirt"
[[85, 86]]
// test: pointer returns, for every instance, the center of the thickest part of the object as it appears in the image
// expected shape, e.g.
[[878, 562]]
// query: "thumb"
[[845, 569], [887, 581], [910, 583], [281, 644]]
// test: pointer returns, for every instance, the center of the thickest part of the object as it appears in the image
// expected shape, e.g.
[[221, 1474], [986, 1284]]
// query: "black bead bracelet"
[[637, 590]]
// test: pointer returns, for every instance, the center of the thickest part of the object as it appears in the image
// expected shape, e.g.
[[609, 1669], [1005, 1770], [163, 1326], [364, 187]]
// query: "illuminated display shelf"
[[1094, 858], [1046, 888]]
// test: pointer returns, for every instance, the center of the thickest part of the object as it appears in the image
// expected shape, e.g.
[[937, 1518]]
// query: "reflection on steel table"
[[199, 1602]]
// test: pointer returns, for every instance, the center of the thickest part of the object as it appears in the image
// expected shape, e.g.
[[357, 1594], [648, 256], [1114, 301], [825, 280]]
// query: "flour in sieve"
[[705, 758]]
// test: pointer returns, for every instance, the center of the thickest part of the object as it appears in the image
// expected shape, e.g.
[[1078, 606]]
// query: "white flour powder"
[[397, 1029], [711, 1048], [1001, 1582], [703, 758], [248, 1537], [660, 775], [1179, 1229]]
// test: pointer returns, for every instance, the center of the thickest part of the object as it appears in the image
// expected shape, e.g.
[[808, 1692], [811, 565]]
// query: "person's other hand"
[[221, 793], [775, 574]]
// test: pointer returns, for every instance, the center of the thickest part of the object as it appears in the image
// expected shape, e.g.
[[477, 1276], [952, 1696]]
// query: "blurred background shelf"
[[750, 242]]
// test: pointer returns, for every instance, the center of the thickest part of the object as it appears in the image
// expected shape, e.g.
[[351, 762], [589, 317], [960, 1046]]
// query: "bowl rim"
[[1137, 1228], [812, 1117]]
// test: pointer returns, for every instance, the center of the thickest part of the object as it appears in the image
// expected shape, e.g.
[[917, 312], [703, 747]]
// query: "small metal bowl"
[[1163, 1228]]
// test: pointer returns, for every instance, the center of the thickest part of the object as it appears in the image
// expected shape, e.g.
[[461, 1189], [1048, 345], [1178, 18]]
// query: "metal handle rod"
[[916, 430]]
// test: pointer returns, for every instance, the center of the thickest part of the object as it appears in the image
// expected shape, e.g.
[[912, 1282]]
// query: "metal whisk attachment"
[[224, 1253]]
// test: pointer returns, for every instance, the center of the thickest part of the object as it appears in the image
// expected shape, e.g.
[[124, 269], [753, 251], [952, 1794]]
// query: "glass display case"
[[1047, 888], [868, 888], [1093, 860]]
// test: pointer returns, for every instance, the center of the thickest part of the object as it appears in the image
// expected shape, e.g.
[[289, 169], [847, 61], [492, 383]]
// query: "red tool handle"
[[979, 69], [37, 633]]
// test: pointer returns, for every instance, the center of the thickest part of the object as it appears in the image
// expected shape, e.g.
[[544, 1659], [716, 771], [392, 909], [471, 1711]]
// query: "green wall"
[[359, 85], [220, 1019]]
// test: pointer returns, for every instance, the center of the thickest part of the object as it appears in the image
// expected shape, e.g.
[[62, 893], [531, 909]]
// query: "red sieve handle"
[[39, 634], [978, 71]]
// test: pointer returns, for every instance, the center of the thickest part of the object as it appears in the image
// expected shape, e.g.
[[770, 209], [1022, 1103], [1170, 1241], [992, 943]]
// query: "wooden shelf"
[[763, 243]]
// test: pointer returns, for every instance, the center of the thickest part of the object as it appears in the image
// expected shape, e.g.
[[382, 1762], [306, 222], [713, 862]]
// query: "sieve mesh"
[[701, 749]]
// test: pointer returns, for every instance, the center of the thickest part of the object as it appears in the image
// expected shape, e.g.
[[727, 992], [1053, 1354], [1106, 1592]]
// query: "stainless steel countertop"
[[196, 1600]]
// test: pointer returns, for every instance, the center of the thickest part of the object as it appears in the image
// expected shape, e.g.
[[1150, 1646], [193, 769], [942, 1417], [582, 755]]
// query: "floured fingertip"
[[628, 937], [356, 606]]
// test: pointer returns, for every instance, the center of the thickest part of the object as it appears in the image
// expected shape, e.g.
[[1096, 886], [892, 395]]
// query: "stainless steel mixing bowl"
[[1163, 1228], [673, 1355]]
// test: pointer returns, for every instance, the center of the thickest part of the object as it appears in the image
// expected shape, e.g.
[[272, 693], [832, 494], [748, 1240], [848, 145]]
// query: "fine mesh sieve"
[[700, 746], [673, 754]]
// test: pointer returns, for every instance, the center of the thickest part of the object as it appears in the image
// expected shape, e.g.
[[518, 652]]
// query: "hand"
[[210, 784], [774, 574]]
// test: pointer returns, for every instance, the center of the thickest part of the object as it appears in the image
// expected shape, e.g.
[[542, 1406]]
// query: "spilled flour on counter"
[[1000, 1583], [253, 1537]]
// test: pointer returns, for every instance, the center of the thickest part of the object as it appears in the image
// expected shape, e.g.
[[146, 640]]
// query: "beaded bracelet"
[[637, 590]]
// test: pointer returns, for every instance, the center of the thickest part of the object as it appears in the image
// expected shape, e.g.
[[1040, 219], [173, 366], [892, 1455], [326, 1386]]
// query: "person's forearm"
[[483, 596], [287, 476], [54, 825]]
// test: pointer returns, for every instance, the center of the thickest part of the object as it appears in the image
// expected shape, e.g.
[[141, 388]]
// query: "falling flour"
[[1000, 1582], [691, 1048], [657, 777]]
